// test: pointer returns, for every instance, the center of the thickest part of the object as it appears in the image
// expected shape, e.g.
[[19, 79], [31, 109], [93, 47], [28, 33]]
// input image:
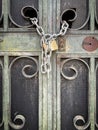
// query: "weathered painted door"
[[67, 99]]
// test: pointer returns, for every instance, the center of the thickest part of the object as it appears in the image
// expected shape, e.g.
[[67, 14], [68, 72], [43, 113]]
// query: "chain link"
[[46, 39], [41, 32], [39, 29], [46, 56]]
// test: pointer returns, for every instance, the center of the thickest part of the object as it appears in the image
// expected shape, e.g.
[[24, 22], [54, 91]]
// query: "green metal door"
[[67, 98]]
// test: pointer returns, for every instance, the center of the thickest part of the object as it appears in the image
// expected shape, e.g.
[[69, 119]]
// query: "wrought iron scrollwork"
[[73, 8], [28, 71], [80, 127], [29, 67], [71, 71], [78, 118], [15, 125], [19, 8]]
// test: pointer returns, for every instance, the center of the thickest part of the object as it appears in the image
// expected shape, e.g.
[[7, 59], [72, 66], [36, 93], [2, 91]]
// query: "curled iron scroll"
[[80, 127], [28, 12], [71, 68], [73, 19], [78, 118], [16, 126], [16, 15], [25, 74], [30, 67], [77, 9], [15, 123]]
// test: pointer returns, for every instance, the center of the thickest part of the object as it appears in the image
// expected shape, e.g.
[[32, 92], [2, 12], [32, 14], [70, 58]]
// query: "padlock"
[[53, 45]]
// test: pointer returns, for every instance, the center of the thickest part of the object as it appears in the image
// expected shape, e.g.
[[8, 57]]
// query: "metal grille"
[[24, 90], [81, 8], [15, 12], [74, 91], [66, 99]]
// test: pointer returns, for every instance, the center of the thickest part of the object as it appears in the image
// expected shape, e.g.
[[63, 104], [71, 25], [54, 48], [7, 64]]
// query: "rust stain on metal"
[[61, 43], [90, 43]]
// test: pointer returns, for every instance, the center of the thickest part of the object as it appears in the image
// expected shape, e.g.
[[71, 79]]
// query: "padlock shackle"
[[29, 12], [69, 15]]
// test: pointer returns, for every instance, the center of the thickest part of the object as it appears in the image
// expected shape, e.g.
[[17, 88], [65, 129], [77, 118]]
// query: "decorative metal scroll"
[[15, 12], [23, 73], [96, 11], [74, 94], [1, 79], [82, 13]]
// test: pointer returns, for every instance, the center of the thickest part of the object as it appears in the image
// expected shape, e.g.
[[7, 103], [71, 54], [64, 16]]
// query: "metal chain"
[[46, 57], [45, 44], [41, 32], [39, 29]]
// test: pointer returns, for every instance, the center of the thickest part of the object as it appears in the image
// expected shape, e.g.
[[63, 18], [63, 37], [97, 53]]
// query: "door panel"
[[24, 92], [74, 93], [65, 98]]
